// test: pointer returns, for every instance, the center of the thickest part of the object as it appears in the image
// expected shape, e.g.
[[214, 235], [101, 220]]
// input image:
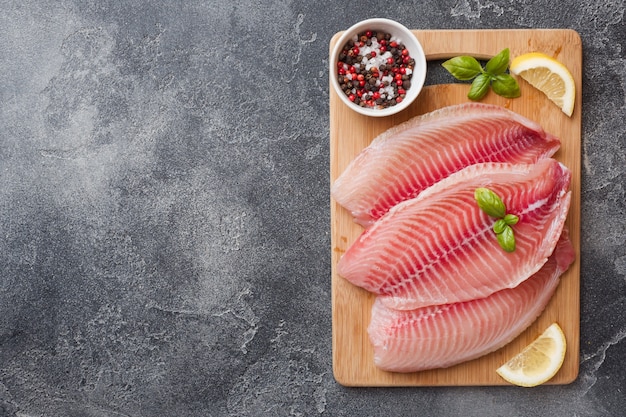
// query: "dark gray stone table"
[[164, 209]]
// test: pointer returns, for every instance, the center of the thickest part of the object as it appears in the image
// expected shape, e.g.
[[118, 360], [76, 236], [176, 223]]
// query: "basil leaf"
[[511, 219], [506, 86], [498, 226], [499, 63], [489, 202], [463, 67], [506, 239], [494, 74], [479, 87]]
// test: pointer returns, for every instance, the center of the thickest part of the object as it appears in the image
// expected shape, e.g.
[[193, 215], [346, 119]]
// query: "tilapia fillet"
[[439, 248], [414, 155], [442, 336]]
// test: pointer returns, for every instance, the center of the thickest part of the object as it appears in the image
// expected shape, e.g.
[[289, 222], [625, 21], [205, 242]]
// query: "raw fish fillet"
[[412, 156], [439, 247], [442, 336]]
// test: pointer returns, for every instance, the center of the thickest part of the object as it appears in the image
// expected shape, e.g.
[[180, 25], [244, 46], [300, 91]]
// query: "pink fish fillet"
[[442, 336], [440, 248], [412, 156]]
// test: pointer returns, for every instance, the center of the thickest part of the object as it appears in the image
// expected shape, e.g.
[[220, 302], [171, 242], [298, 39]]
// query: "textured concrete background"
[[164, 218]]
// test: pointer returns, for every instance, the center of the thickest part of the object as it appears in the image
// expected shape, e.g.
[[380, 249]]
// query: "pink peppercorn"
[[362, 66]]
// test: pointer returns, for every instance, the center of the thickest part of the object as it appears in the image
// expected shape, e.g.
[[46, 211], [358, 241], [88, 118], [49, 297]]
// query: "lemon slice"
[[549, 76], [539, 361]]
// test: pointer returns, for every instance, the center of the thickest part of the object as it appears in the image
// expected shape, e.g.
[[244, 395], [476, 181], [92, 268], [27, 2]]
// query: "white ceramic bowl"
[[404, 36]]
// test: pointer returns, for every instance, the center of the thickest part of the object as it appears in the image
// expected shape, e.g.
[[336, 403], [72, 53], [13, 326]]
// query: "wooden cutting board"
[[350, 133]]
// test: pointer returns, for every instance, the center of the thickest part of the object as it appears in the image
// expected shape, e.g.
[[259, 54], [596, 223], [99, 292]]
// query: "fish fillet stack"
[[446, 291]]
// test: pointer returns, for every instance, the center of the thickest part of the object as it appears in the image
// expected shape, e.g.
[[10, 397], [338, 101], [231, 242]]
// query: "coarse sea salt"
[[391, 69]]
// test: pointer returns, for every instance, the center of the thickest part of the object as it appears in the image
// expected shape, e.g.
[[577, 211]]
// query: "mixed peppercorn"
[[375, 69]]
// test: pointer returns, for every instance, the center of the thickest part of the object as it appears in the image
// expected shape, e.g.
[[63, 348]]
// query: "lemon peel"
[[538, 362], [549, 76]]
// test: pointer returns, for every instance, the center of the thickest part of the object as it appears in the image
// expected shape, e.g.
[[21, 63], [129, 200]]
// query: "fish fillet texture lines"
[[395, 166], [445, 335], [439, 247]]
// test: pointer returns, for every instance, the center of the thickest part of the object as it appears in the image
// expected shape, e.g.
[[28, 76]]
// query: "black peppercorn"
[[372, 70]]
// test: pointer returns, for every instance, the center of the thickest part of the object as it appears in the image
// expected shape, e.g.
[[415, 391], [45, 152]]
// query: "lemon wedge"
[[549, 76], [537, 362]]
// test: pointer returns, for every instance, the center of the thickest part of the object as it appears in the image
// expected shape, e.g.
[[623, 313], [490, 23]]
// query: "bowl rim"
[[417, 83]]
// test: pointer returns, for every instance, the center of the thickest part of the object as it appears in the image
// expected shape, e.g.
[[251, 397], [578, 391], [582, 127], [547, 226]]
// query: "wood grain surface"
[[350, 132]]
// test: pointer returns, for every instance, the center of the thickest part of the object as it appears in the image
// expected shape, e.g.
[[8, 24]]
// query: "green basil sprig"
[[492, 204], [494, 74]]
